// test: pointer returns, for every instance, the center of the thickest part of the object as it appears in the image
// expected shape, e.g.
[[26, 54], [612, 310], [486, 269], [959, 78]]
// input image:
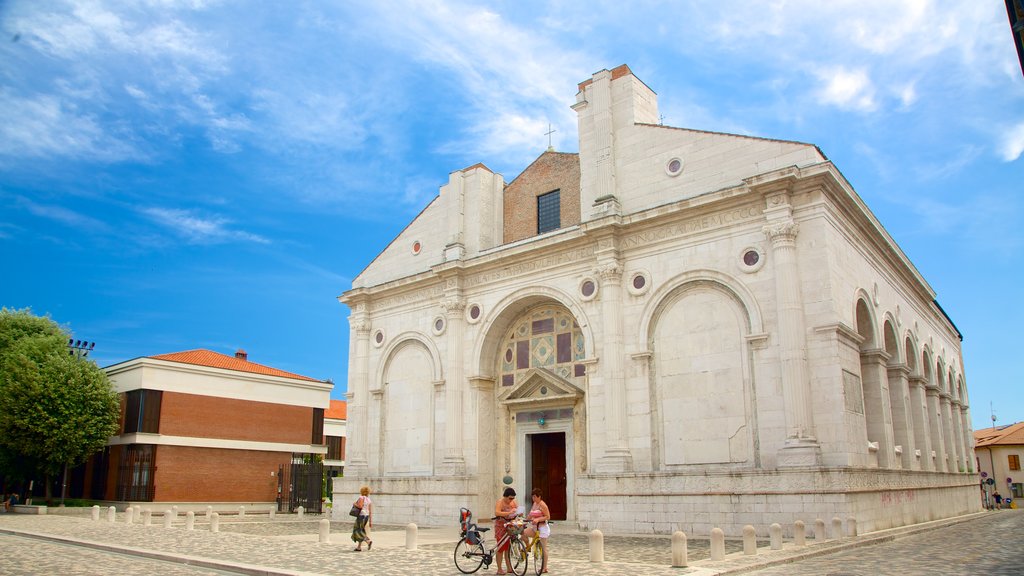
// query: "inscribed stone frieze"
[[693, 225]]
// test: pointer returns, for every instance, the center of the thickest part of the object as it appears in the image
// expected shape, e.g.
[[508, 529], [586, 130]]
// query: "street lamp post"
[[79, 349]]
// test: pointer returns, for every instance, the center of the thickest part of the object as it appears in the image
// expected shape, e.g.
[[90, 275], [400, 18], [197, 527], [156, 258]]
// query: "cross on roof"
[[548, 134]]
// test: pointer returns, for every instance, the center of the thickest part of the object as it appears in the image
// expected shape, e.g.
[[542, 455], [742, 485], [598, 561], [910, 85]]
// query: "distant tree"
[[56, 408]]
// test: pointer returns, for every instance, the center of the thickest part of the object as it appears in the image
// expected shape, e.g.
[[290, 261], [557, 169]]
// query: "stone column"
[[935, 428], [965, 425], [902, 421], [947, 431], [801, 446], [454, 462], [919, 409], [877, 412], [958, 436], [358, 427], [617, 457]]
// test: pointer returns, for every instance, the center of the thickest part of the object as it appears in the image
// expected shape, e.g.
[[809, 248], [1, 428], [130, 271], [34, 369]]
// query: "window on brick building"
[[1014, 462], [549, 212], [135, 479], [142, 411], [335, 448], [318, 426]]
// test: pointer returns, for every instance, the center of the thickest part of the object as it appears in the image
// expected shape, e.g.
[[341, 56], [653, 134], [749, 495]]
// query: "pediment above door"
[[540, 387]]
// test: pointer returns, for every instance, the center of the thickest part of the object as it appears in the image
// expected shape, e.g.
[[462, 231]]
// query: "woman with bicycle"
[[505, 509], [538, 517]]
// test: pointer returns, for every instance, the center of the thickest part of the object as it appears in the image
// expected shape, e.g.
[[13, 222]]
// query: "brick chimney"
[[241, 354]]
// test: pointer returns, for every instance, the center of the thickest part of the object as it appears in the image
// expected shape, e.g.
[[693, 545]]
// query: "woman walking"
[[364, 520]]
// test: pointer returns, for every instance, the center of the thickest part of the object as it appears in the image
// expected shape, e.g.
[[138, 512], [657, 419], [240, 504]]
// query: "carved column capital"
[[781, 232], [609, 271], [453, 306], [360, 324]]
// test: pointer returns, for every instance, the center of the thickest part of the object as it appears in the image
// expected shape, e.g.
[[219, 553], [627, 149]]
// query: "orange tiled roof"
[[1003, 435], [217, 360], [338, 410]]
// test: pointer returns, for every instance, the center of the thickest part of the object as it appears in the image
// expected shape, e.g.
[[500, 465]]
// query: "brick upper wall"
[[186, 474], [210, 417], [552, 171]]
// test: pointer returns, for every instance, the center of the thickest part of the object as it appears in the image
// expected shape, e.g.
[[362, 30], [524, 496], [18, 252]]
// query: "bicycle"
[[471, 554], [535, 548]]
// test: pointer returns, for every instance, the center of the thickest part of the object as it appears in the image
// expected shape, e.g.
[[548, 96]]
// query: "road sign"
[[990, 481]]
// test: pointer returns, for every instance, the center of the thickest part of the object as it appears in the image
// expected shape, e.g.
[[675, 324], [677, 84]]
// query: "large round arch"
[[697, 332]]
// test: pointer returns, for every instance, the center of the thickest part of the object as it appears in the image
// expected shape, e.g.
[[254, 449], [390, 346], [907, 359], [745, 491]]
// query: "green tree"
[[56, 408]]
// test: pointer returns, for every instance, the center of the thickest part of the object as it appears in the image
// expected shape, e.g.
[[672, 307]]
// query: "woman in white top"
[[538, 517], [364, 520]]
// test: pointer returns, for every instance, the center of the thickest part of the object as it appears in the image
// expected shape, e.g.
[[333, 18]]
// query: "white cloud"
[[847, 89], [63, 215], [48, 125], [199, 230], [1012, 144]]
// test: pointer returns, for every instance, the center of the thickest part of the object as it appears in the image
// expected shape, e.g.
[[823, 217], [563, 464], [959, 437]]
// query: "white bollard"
[[167, 518], [190, 520], [241, 511], [819, 530], [410, 536], [214, 522], [147, 517], [209, 512], [837, 528], [679, 553], [174, 513], [111, 512], [799, 533], [851, 527], [96, 513], [325, 531], [717, 544], [749, 540], [301, 511], [273, 513], [775, 534], [129, 515], [596, 546]]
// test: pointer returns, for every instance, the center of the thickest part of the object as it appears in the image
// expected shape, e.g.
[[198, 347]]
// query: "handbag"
[[356, 509]]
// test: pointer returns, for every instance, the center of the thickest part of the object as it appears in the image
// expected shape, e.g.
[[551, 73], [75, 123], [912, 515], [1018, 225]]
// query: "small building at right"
[[998, 451]]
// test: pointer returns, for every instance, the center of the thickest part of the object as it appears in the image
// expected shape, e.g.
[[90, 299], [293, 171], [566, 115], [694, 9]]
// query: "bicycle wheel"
[[538, 557], [519, 557], [469, 557]]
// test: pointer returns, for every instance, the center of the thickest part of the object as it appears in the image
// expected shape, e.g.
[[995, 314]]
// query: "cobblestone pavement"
[[288, 546]]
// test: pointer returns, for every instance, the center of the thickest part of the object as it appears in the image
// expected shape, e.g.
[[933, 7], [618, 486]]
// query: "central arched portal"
[[541, 372]]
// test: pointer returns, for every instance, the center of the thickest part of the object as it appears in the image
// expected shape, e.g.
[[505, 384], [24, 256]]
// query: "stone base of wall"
[[694, 504], [663, 503]]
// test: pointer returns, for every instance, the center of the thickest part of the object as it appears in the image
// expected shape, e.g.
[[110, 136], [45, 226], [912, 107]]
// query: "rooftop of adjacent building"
[[239, 362], [338, 410], [999, 435]]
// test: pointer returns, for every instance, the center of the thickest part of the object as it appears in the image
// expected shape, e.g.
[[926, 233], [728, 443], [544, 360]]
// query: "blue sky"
[[212, 174]]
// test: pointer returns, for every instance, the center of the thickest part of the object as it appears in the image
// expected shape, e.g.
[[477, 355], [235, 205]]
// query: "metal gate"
[[301, 484]]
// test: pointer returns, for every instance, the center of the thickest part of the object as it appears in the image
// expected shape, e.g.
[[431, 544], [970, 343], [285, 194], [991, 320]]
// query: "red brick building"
[[202, 428]]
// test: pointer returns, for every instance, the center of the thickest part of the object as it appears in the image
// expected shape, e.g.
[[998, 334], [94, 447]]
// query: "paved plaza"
[[69, 543]]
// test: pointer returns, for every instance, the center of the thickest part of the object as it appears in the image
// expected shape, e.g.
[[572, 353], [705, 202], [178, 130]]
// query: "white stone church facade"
[[670, 330]]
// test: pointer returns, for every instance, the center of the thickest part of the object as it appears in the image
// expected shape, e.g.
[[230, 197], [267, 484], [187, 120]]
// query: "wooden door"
[[547, 471]]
